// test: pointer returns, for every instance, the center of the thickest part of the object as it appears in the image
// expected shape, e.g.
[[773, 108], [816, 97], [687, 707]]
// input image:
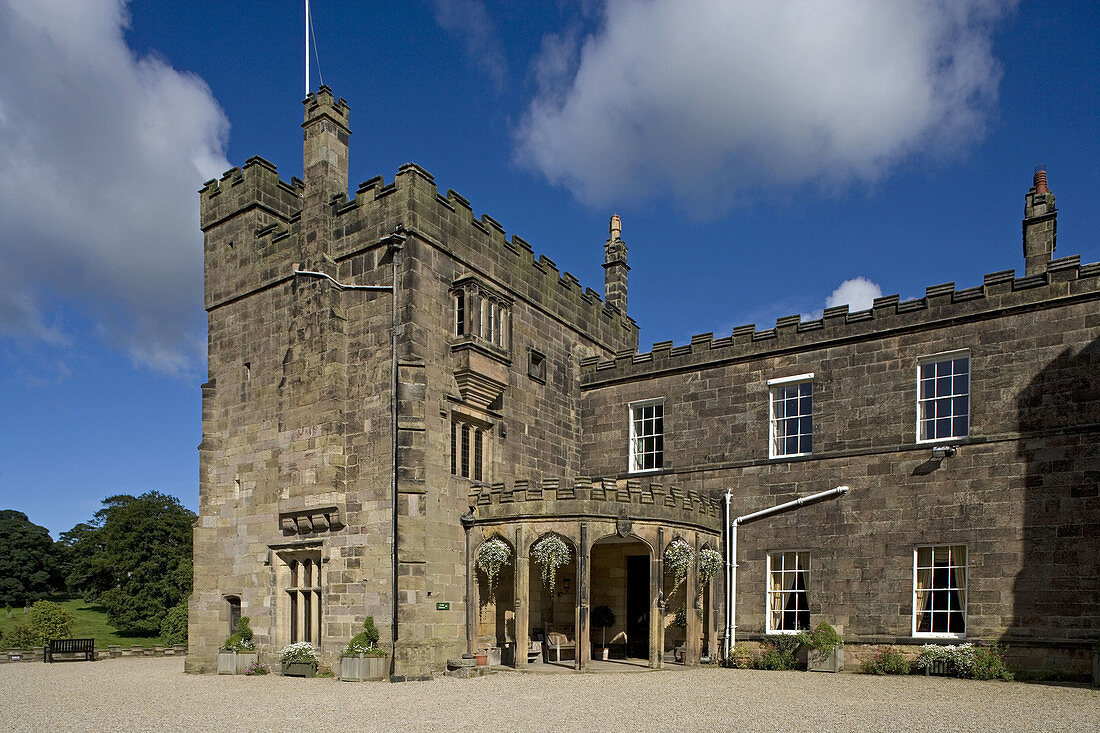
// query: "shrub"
[[48, 620], [966, 660], [242, 640], [364, 642], [174, 627], [823, 638], [740, 657], [21, 637], [775, 658], [887, 660], [989, 664]]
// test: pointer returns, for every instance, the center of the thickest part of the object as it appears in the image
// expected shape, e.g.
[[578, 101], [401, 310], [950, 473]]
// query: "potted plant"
[[238, 651], [602, 617], [361, 660], [826, 649], [299, 660]]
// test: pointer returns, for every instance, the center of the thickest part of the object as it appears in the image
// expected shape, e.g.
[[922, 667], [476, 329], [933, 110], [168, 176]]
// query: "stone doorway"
[[620, 581]]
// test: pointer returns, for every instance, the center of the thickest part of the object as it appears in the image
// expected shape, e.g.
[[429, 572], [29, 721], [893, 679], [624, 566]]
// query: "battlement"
[[254, 185], [1000, 293], [448, 222], [640, 498]]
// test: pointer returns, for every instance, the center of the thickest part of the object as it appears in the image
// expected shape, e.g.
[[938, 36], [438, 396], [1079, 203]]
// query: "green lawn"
[[91, 622]]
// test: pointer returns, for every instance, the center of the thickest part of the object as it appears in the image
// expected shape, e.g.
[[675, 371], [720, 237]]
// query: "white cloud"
[[469, 20], [102, 154], [708, 99], [858, 294]]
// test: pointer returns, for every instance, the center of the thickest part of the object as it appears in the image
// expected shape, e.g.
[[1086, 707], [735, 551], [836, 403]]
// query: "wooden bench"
[[85, 647], [557, 642]]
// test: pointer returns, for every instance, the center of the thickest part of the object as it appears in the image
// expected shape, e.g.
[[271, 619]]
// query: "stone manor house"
[[393, 382]]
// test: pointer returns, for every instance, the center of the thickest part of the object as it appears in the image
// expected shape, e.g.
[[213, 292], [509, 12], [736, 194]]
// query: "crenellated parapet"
[[1063, 280], [256, 185], [635, 498], [481, 243]]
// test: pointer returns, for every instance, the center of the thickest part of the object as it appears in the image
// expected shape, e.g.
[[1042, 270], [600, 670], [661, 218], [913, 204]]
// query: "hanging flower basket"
[[678, 558], [710, 562], [551, 553], [493, 555]]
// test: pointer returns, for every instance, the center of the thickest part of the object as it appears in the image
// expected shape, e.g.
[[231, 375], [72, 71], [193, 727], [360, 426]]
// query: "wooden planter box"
[[818, 662], [362, 668], [230, 662], [299, 669], [940, 668]]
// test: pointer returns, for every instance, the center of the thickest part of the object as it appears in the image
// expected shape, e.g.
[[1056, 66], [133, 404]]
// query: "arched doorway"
[[553, 600], [496, 613], [621, 594]]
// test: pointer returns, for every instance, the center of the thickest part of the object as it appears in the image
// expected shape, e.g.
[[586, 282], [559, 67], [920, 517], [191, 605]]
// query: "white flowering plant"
[[678, 558], [493, 555], [301, 651], [710, 562], [551, 553]]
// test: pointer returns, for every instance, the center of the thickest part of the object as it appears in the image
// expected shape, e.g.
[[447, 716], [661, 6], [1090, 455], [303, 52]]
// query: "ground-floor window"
[[301, 585], [788, 578], [939, 590]]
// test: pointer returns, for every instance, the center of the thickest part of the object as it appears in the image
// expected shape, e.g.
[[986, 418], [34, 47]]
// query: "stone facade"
[[393, 381]]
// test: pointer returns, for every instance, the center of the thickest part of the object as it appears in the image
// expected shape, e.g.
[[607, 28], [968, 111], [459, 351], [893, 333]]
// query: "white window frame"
[[962, 588], [769, 592], [634, 438], [774, 386], [936, 359]]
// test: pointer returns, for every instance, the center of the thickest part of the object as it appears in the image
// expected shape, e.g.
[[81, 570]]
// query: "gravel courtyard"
[[154, 694]]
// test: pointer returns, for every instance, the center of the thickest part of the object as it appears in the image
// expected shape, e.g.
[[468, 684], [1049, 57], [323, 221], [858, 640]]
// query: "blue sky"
[[761, 155]]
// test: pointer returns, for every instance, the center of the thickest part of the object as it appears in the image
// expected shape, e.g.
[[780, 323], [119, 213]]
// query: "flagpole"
[[307, 48]]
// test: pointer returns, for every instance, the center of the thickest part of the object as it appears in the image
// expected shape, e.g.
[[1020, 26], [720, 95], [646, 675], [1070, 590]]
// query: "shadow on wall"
[[1057, 592]]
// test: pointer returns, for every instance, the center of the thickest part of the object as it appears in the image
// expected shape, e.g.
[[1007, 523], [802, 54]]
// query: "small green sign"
[[443, 606]]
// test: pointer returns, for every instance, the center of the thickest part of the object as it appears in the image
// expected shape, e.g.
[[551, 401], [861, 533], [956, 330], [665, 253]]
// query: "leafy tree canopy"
[[29, 568], [135, 556]]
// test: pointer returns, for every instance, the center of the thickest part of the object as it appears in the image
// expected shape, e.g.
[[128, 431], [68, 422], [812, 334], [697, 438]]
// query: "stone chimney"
[[324, 169], [1040, 224], [615, 267]]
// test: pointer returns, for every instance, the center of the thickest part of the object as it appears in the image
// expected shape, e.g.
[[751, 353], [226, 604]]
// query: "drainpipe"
[[731, 565], [394, 243]]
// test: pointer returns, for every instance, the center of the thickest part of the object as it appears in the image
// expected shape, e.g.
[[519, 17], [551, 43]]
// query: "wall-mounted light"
[[943, 451]]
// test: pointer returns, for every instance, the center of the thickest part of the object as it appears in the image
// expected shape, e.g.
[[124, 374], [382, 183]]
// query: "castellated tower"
[[338, 453]]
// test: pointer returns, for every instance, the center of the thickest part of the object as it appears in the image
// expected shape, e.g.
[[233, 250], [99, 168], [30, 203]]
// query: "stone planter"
[[299, 669], [493, 653], [818, 662], [230, 662], [363, 668]]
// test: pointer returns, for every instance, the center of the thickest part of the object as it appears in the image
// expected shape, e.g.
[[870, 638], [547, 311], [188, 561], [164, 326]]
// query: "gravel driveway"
[[154, 694]]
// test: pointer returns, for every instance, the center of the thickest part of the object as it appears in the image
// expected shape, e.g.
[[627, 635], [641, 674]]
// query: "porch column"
[[583, 641], [472, 598], [657, 604], [523, 598], [692, 601]]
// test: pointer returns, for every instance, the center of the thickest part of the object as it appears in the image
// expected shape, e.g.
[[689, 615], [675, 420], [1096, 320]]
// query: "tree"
[[135, 557], [28, 560]]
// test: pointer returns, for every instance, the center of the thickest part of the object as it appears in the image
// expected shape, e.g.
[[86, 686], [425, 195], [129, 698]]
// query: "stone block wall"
[[1022, 492]]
